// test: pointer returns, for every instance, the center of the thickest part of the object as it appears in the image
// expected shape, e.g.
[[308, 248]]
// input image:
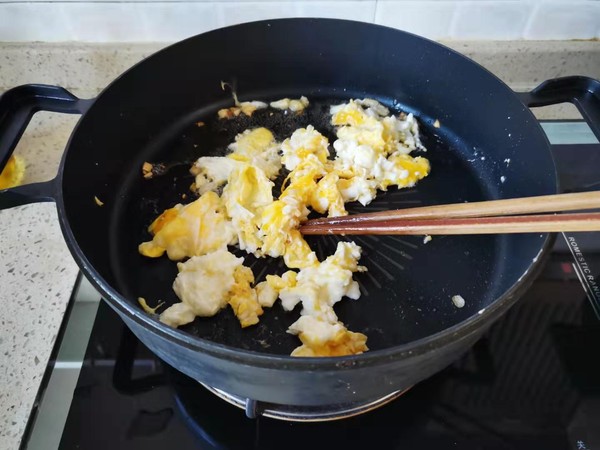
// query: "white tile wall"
[[172, 20], [363, 11], [232, 13], [167, 24], [491, 20], [431, 19], [30, 22], [565, 20], [100, 22]]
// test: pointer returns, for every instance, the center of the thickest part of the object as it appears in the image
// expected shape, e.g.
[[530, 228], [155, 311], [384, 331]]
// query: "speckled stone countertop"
[[37, 273]]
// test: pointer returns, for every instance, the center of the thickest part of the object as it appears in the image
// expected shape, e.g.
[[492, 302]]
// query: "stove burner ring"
[[303, 413]]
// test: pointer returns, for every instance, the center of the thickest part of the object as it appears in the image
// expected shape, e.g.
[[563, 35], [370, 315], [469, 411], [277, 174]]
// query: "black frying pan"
[[414, 329]]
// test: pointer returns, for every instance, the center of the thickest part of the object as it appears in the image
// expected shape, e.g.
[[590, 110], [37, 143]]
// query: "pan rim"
[[456, 333]]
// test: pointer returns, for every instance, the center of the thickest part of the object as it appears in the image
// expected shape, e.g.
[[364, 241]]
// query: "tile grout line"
[[375, 11], [453, 21], [530, 19]]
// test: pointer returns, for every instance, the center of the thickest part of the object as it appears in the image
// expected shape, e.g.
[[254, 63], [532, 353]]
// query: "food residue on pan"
[[372, 153], [436, 124], [427, 239], [150, 170], [147, 308], [458, 301], [246, 108], [295, 105], [98, 201]]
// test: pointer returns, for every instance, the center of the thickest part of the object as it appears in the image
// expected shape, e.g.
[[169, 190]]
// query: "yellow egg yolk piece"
[[256, 147], [327, 197], [259, 148], [247, 193], [356, 125], [279, 222], [13, 172], [195, 229], [243, 298], [321, 338], [404, 171]]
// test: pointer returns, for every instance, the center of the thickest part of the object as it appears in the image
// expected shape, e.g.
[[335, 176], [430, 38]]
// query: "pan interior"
[[407, 290]]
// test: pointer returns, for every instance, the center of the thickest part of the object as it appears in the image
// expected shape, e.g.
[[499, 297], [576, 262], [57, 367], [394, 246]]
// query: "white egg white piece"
[[203, 284], [212, 172]]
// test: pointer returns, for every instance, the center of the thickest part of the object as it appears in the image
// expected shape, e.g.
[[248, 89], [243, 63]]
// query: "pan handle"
[[583, 92], [17, 106]]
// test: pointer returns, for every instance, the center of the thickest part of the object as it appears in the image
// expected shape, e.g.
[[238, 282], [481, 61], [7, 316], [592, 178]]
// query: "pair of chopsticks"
[[489, 217]]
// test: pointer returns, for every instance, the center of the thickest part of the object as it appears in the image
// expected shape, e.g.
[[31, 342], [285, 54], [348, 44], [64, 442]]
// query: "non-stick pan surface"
[[406, 293]]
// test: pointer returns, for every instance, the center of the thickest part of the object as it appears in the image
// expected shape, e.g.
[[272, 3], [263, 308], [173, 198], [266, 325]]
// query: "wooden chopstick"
[[489, 217], [525, 205], [544, 223]]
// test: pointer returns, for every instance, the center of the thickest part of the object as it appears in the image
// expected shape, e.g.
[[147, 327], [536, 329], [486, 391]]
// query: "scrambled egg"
[[246, 108], [304, 142], [212, 172], [318, 288], [309, 184], [278, 230], [372, 152], [313, 179], [291, 104], [206, 284], [202, 284], [375, 148], [321, 285], [243, 297], [320, 338], [257, 147], [246, 195], [195, 229]]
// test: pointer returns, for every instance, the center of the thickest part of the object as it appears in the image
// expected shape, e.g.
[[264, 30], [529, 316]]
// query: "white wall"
[[165, 21]]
